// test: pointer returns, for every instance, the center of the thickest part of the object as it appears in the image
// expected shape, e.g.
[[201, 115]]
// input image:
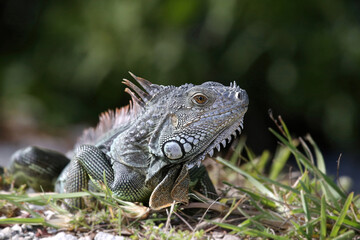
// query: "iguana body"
[[150, 150]]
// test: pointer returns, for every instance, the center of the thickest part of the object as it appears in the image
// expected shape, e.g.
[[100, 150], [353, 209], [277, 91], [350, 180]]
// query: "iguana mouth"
[[223, 138]]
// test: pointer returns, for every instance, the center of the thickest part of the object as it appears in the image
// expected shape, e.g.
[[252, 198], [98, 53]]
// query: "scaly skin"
[[152, 150]]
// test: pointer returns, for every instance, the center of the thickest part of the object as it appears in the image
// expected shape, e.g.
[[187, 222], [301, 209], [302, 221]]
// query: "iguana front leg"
[[90, 162], [128, 183]]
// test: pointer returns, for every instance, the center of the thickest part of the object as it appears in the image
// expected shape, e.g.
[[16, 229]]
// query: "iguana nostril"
[[241, 95]]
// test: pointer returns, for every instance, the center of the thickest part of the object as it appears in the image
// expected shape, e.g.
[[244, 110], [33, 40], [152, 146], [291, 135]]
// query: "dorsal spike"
[[147, 85], [234, 85], [108, 121], [134, 98], [143, 95]]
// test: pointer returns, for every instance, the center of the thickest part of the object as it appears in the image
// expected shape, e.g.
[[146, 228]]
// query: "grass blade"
[[307, 212], [309, 165], [264, 158], [319, 157], [239, 148], [236, 229], [252, 232], [347, 235], [350, 223], [342, 216], [37, 221], [250, 178], [264, 200], [279, 161], [41, 197], [323, 218], [264, 234]]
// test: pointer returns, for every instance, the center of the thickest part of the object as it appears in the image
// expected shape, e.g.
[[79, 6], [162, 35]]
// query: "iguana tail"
[[37, 168]]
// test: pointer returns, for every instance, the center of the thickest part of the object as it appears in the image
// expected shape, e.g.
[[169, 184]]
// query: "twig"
[[169, 216], [184, 221], [203, 216], [338, 173], [276, 121]]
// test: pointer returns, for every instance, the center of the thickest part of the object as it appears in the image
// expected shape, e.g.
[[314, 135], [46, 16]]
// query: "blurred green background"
[[62, 62]]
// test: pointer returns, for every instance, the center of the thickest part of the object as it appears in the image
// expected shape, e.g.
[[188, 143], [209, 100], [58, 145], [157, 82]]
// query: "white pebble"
[[16, 228], [107, 236], [61, 236]]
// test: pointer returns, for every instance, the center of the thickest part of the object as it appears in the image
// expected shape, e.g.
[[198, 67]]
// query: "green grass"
[[304, 203]]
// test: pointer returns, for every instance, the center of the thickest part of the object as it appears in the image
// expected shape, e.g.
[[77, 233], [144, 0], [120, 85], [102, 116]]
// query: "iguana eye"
[[200, 99]]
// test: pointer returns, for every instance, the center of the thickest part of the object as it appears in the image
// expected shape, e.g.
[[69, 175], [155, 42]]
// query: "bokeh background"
[[62, 62]]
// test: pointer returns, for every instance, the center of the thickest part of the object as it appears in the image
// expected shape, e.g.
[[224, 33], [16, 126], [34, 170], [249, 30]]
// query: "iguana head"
[[200, 118], [190, 121]]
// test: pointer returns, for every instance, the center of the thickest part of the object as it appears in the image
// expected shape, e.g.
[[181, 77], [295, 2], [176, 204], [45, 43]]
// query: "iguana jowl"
[[150, 150]]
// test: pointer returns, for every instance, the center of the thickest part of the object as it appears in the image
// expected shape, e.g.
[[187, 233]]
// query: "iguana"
[[149, 151]]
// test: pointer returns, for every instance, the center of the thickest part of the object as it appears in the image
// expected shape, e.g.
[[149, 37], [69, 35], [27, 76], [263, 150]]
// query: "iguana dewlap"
[[149, 151]]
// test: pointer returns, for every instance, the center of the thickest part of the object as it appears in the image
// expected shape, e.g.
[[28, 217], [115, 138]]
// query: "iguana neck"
[[131, 147]]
